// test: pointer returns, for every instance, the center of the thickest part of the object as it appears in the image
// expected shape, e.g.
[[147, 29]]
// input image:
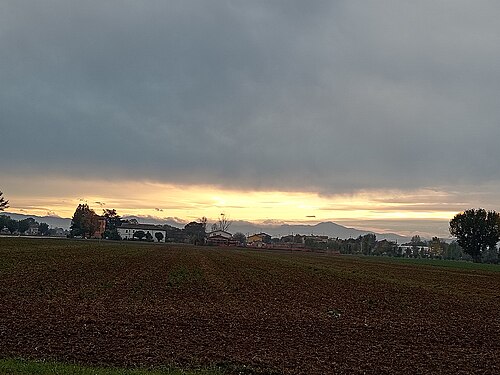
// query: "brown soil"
[[281, 312]]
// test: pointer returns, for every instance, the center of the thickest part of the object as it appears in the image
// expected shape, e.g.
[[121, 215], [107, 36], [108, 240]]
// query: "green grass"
[[180, 276], [458, 264], [28, 367]]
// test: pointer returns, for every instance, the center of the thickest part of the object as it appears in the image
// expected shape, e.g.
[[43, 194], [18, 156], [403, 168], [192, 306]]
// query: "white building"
[[220, 233], [221, 238], [127, 231]]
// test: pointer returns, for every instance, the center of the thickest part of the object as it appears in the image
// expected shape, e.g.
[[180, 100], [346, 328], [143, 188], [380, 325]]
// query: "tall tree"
[[113, 221], [3, 202], [223, 223], [476, 231], [84, 222]]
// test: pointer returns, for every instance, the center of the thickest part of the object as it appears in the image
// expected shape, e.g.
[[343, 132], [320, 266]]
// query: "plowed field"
[[274, 312]]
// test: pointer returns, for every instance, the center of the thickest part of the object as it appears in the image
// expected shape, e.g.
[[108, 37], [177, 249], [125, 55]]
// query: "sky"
[[380, 115]]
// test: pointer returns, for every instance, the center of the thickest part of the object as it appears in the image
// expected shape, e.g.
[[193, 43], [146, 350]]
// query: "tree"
[[385, 247], [452, 251], [3, 221], [476, 231], [139, 235], [436, 247], [368, 242], [113, 221], [241, 238], [12, 225], [416, 240], [43, 229], [223, 223], [3, 203], [159, 236], [84, 222], [25, 224], [149, 237], [195, 232], [416, 246], [490, 255], [203, 220]]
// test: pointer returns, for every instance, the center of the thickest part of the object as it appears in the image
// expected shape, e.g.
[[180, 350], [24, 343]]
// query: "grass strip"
[[11, 366]]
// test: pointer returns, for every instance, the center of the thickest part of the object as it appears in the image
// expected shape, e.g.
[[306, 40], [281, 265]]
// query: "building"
[[101, 227], [221, 238], [414, 251], [127, 231], [32, 230], [259, 240]]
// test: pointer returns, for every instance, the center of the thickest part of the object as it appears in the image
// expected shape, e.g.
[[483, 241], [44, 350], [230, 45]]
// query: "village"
[[86, 224]]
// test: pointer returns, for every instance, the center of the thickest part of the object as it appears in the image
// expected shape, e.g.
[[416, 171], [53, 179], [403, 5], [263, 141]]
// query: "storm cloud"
[[326, 96]]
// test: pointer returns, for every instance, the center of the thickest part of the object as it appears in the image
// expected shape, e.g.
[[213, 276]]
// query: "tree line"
[[22, 226], [369, 245], [477, 234]]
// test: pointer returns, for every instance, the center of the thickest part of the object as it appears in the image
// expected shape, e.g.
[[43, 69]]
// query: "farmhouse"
[[32, 230], [221, 237], [127, 231], [258, 239]]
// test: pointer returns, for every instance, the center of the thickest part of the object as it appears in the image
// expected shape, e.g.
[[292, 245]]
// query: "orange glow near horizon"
[[61, 196]]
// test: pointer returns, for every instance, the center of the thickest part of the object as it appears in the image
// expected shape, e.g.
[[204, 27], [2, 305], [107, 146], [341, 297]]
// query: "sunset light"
[[187, 203]]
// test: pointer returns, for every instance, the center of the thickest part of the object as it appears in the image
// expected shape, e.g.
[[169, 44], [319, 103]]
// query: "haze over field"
[[382, 116]]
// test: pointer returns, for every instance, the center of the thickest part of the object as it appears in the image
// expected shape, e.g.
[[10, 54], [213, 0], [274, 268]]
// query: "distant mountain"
[[53, 221], [328, 228]]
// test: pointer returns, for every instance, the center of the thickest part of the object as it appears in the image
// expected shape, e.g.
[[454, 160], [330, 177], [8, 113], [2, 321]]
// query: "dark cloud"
[[328, 96]]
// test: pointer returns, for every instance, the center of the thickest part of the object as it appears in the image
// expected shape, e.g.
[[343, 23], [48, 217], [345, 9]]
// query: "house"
[[127, 231], [221, 238], [259, 240], [32, 230], [412, 250]]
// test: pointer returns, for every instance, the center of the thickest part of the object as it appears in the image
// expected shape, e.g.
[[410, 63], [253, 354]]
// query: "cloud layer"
[[326, 96]]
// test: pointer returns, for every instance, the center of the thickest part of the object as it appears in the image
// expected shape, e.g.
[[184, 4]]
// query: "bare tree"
[[224, 223], [3, 203], [203, 221]]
